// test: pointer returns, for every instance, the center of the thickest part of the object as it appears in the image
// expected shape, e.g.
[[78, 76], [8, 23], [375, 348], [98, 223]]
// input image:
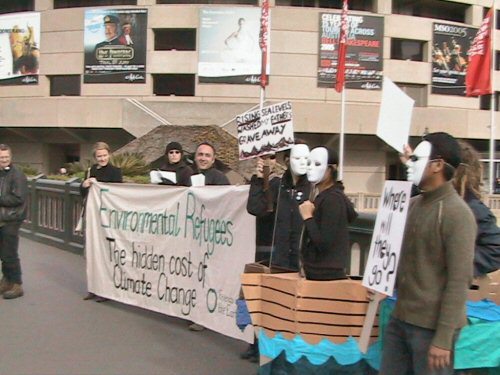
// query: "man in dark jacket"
[[13, 193], [205, 159]]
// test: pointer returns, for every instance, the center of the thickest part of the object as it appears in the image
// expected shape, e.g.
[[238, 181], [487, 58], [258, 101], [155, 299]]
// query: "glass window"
[[443, 10], [485, 102], [364, 5], [225, 2], [416, 92], [175, 39], [173, 84], [90, 3], [406, 49], [10, 6], [65, 85]]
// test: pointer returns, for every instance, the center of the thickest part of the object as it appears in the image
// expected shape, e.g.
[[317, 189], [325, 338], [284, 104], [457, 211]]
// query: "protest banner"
[[364, 57], [229, 46], [450, 46], [394, 118], [262, 133], [19, 48], [115, 45], [173, 250], [383, 258]]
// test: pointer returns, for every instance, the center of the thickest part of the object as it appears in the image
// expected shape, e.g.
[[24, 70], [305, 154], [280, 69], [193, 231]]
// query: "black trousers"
[[9, 245]]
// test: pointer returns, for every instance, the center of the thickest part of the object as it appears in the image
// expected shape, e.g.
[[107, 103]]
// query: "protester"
[[325, 245], [467, 182], [264, 227], [174, 157], [435, 268], [286, 194], [13, 194], [205, 159], [103, 171]]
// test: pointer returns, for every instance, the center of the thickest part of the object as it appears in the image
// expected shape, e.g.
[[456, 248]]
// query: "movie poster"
[[115, 45], [450, 44], [364, 57], [19, 48], [229, 50]]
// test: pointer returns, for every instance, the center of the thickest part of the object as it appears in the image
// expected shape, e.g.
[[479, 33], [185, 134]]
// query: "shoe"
[[101, 299], [89, 296], [196, 327], [15, 291], [249, 353], [4, 285]]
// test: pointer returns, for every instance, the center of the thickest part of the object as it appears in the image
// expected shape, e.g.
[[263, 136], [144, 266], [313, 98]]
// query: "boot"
[[14, 292], [4, 285]]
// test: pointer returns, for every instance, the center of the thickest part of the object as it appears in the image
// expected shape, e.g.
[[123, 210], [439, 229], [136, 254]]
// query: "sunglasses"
[[172, 152]]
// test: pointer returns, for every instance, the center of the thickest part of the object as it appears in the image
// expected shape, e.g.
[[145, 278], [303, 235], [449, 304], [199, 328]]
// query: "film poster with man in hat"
[[115, 45]]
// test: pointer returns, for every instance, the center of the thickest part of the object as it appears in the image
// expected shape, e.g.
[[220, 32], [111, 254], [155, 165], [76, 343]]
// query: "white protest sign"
[[155, 177], [272, 132], [394, 118], [177, 251], [382, 263]]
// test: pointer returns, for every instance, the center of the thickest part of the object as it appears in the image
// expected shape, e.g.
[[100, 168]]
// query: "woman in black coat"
[[102, 171], [325, 242]]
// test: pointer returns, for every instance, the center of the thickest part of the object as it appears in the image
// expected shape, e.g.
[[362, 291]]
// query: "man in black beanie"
[[435, 268], [174, 163]]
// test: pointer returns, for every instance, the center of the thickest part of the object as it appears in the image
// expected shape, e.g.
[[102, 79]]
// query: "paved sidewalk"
[[51, 330]]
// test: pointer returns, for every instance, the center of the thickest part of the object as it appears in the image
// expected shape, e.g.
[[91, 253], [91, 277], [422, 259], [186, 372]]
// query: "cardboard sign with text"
[[260, 134], [176, 250], [382, 263]]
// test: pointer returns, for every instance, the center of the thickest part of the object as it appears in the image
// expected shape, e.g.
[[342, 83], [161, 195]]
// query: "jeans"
[[9, 244], [405, 348]]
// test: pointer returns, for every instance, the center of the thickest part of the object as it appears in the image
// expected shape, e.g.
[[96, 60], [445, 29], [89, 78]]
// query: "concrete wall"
[[294, 56]]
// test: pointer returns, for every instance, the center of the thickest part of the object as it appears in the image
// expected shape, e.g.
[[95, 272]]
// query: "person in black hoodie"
[[325, 244], [467, 182], [285, 194], [102, 171], [175, 163]]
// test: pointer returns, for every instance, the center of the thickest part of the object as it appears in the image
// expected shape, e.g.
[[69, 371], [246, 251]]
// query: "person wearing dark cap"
[[435, 268], [111, 24], [174, 157], [325, 243]]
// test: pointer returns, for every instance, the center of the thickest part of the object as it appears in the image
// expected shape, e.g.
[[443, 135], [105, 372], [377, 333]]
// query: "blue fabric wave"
[[484, 310], [347, 353]]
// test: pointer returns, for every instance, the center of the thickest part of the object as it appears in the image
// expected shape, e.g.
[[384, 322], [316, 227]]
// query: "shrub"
[[131, 164], [28, 170]]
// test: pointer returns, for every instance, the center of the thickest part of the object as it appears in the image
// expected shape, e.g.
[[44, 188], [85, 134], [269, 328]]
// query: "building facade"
[[58, 118]]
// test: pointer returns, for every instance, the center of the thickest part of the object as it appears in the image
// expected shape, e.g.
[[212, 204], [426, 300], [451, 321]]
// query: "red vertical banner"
[[342, 49], [264, 41], [478, 77]]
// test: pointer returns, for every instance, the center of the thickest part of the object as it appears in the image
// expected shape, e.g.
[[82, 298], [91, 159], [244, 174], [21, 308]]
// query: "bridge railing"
[[54, 208]]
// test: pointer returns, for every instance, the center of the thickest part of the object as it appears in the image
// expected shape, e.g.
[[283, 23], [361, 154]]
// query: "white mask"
[[417, 167], [317, 165], [298, 159]]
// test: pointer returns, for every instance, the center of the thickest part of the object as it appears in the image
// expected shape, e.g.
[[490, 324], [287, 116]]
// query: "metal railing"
[[54, 208]]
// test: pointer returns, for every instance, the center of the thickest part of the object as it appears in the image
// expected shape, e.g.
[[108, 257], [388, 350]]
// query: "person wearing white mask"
[[325, 245], [435, 267], [286, 194]]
